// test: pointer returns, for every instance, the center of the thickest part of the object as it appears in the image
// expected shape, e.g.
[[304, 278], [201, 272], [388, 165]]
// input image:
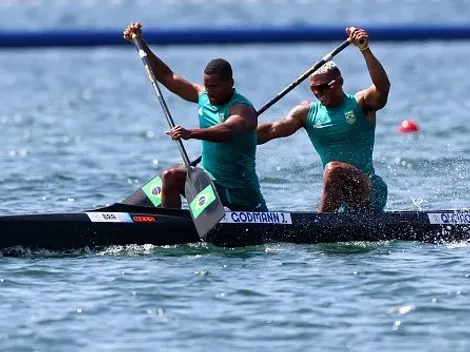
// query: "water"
[[81, 128]]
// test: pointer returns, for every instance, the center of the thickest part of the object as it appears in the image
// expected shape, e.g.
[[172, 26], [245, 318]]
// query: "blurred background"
[[115, 13]]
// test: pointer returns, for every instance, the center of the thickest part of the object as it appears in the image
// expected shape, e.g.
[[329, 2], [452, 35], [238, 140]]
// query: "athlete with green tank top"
[[232, 164], [342, 133], [227, 129], [341, 128]]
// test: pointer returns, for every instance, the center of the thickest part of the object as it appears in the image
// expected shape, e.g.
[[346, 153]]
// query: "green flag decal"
[[203, 199], [153, 191]]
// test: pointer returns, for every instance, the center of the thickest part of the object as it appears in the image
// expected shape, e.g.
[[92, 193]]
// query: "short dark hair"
[[219, 66]]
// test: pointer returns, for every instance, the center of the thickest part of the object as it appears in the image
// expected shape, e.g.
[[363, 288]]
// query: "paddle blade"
[[204, 203], [150, 194]]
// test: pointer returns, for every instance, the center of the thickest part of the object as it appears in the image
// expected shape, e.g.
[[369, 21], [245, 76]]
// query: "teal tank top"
[[231, 164], [342, 133]]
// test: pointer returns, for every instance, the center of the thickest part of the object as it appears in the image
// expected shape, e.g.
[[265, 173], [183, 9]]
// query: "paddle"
[[204, 203], [150, 193]]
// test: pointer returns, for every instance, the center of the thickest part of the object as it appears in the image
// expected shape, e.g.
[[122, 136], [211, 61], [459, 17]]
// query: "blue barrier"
[[245, 35]]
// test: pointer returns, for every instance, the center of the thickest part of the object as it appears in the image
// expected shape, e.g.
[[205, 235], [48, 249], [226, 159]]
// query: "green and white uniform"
[[232, 164], [344, 134]]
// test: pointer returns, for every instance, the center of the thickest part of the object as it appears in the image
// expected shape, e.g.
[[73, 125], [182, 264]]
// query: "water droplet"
[[404, 309], [396, 325]]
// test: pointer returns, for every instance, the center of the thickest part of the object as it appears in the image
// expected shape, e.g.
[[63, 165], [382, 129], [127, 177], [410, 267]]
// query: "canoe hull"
[[122, 224]]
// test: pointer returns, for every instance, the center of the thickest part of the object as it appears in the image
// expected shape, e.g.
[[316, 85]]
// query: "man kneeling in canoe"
[[341, 127], [228, 123]]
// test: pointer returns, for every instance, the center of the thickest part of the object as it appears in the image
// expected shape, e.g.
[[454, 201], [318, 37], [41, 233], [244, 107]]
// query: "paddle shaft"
[[294, 84], [143, 55], [304, 75]]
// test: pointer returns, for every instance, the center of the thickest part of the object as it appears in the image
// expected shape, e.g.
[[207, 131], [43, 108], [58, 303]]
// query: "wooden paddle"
[[204, 203], [150, 193]]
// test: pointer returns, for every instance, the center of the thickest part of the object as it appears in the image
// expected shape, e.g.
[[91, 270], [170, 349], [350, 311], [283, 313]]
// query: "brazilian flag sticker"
[[203, 199], [153, 191]]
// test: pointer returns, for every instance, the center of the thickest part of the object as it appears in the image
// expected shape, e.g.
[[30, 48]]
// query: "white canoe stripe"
[[249, 217], [449, 218], [231, 217], [109, 217]]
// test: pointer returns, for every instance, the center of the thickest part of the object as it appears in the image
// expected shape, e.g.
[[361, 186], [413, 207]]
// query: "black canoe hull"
[[122, 224]]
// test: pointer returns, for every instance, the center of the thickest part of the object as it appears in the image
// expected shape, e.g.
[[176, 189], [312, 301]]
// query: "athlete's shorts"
[[241, 199]]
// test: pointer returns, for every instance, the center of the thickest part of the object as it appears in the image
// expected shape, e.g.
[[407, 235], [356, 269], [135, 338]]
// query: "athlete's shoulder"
[[244, 110], [357, 101], [358, 97], [299, 113], [354, 101], [314, 105], [239, 98], [313, 108], [301, 109], [202, 98]]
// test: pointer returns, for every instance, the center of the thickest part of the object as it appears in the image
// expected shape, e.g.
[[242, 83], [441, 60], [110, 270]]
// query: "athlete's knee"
[[334, 170], [337, 166], [339, 170], [173, 178], [168, 176]]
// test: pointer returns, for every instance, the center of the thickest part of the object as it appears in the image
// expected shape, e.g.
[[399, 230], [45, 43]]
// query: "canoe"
[[124, 224]]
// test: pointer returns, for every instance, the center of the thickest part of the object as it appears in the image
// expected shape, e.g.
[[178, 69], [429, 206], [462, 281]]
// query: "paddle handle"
[[304, 75]]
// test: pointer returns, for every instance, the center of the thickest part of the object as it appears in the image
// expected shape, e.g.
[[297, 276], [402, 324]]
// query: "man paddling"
[[341, 127], [227, 130]]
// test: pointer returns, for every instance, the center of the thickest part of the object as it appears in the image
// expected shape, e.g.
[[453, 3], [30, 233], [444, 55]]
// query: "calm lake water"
[[81, 128]]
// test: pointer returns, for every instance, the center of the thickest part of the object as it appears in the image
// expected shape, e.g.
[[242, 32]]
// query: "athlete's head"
[[218, 81], [327, 84]]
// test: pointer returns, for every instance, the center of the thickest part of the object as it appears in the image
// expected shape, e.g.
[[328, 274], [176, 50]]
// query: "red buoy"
[[408, 126]]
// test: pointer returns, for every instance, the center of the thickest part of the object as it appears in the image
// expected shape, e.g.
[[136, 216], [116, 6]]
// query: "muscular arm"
[[187, 90], [375, 97], [242, 119], [284, 127]]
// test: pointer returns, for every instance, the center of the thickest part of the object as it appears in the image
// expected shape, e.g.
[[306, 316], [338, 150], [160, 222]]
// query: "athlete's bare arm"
[[375, 97], [175, 83], [242, 119], [284, 127]]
